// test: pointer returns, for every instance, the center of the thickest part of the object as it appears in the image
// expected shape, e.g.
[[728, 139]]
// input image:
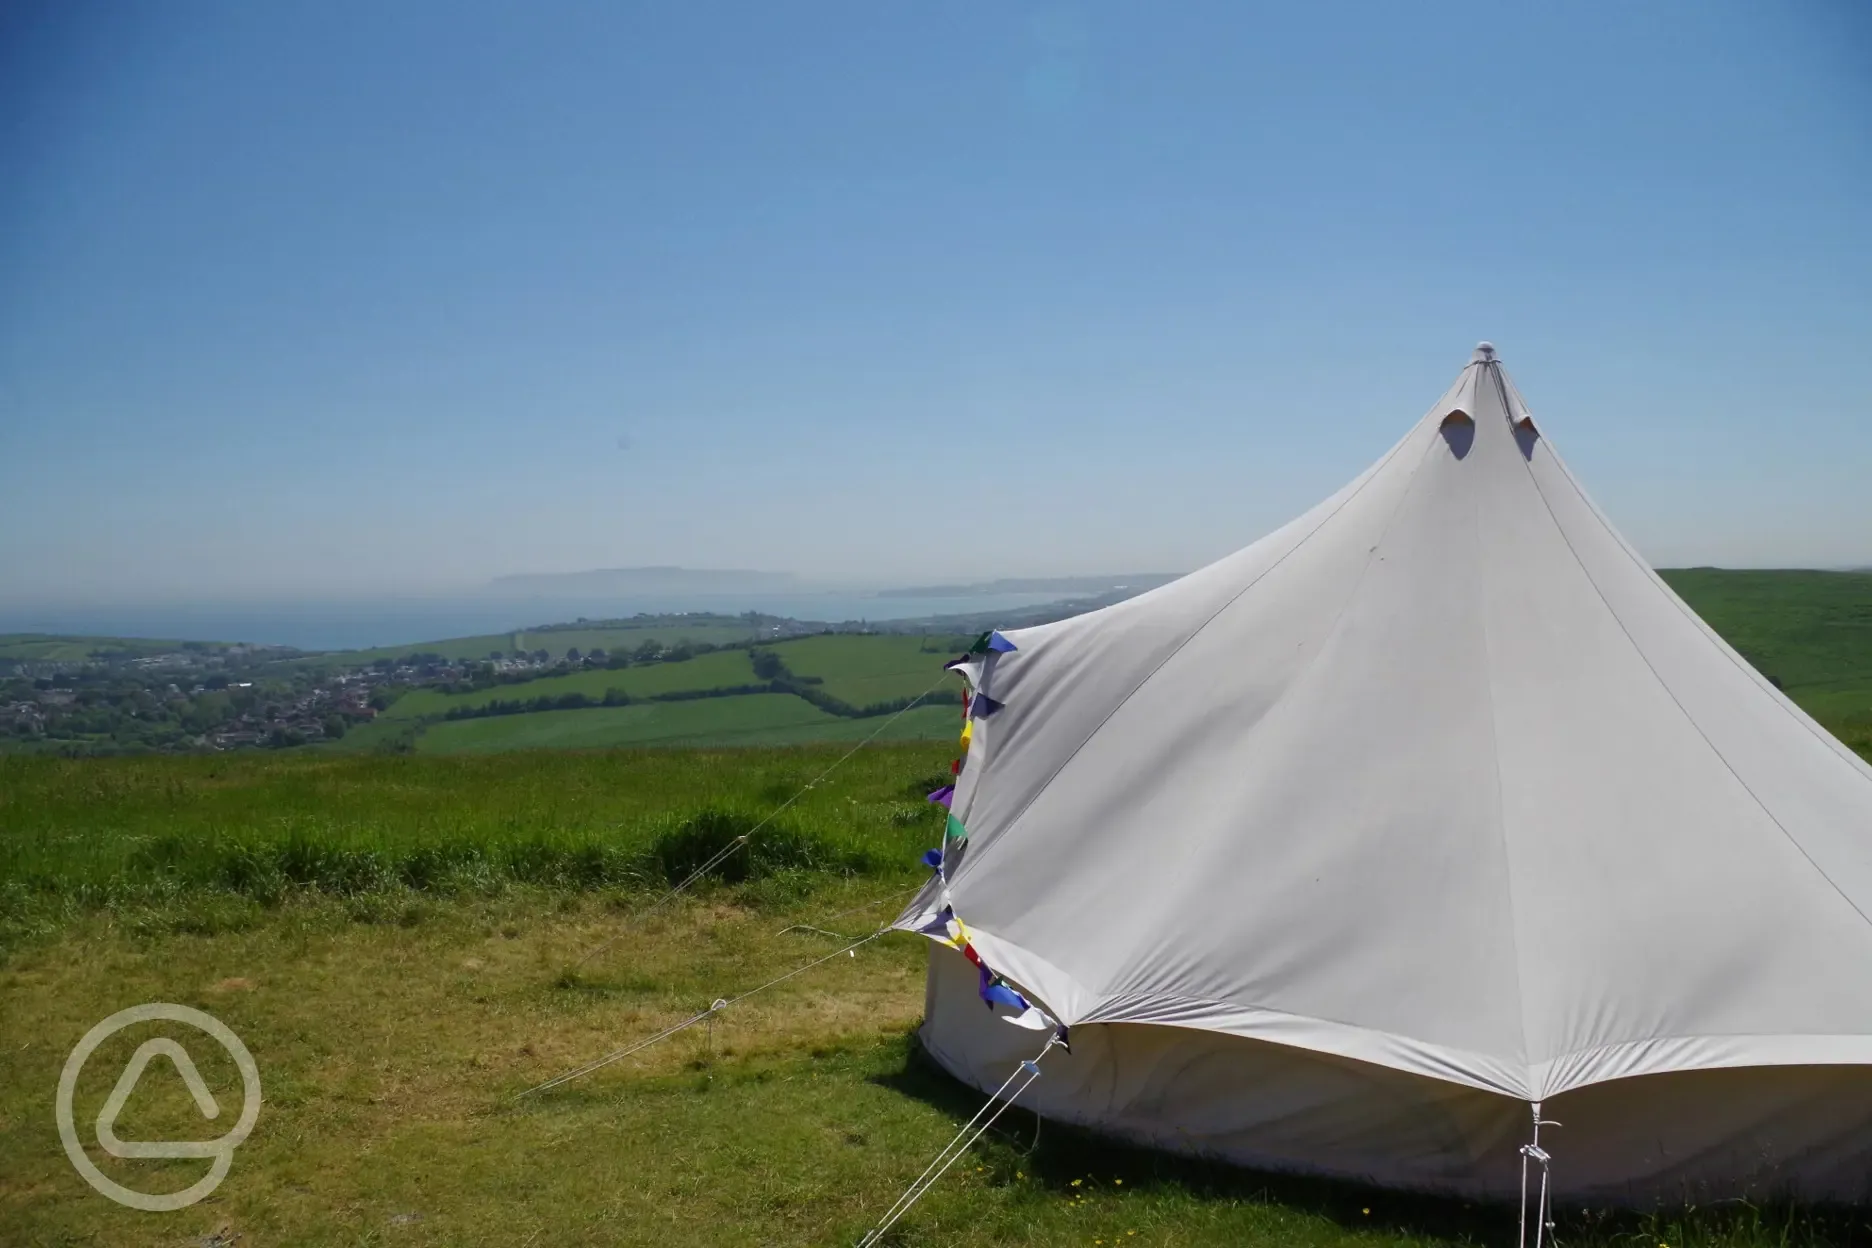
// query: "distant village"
[[230, 697], [125, 696]]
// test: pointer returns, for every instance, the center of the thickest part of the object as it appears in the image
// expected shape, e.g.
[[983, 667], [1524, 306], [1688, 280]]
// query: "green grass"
[[1810, 632], [449, 648], [89, 832], [556, 641], [747, 719], [60, 648], [392, 1039], [863, 670], [587, 639], [717, 670]]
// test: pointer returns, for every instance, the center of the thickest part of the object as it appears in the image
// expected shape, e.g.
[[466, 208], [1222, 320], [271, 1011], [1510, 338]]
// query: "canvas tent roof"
[[1439, 776]]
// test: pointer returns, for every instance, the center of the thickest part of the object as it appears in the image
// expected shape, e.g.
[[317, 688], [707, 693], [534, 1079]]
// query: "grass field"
[[391, 1049], [61, 648], [716, 670], [1811, 632], [749, 719], [390, 1053], [88, 832], [863, 670], [858, 669], [557, 640]]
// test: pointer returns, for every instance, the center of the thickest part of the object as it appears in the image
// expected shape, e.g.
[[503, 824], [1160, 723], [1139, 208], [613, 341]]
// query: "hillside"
[[64, 648], [1808, 632], [825, 688]]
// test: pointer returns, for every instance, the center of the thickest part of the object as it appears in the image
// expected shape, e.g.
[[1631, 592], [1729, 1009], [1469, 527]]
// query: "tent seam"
[[1681, 709], [1450, 1053], [1198, 631], [1601, 1050], [1501, 801], [1781, 700], [1253, 732]]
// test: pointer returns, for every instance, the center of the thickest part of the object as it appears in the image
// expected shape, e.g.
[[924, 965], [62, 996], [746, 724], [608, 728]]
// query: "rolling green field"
[[716, 670], [749, 719], [1809, 632], [861, 670], [629, 638], [558, 640], [62, 648]]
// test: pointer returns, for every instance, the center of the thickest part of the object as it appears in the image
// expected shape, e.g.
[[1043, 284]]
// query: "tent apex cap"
[[1484, 351]]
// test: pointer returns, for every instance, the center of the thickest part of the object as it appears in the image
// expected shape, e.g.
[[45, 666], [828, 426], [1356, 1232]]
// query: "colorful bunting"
[[946, 927], [948, 930], [994, 992], [969, 666]]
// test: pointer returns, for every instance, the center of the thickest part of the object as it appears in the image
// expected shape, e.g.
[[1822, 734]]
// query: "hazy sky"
[[303, 299]]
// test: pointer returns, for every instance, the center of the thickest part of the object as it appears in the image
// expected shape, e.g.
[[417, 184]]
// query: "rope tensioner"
[[1543, 1211]]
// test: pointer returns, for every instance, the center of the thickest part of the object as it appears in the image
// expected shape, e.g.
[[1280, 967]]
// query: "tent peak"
[[1484, 352]]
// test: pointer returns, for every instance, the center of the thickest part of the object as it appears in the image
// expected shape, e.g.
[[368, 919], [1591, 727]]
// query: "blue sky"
[[307, 300]]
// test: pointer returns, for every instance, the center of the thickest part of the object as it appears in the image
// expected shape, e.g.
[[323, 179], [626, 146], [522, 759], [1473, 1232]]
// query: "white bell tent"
[[1337, 854]]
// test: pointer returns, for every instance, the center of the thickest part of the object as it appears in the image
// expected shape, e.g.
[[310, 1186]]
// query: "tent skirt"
[[1762, 1132]]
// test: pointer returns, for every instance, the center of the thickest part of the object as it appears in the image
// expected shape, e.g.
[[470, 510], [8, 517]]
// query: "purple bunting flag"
[[994, 992]]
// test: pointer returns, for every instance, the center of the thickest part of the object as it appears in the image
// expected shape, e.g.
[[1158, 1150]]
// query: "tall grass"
[[78, 834]]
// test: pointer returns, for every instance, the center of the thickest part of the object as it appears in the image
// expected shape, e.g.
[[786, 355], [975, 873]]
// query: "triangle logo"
[[126, 1084]]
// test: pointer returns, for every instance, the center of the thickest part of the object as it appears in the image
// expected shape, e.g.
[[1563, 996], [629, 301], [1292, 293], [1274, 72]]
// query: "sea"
[[363, 624]]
